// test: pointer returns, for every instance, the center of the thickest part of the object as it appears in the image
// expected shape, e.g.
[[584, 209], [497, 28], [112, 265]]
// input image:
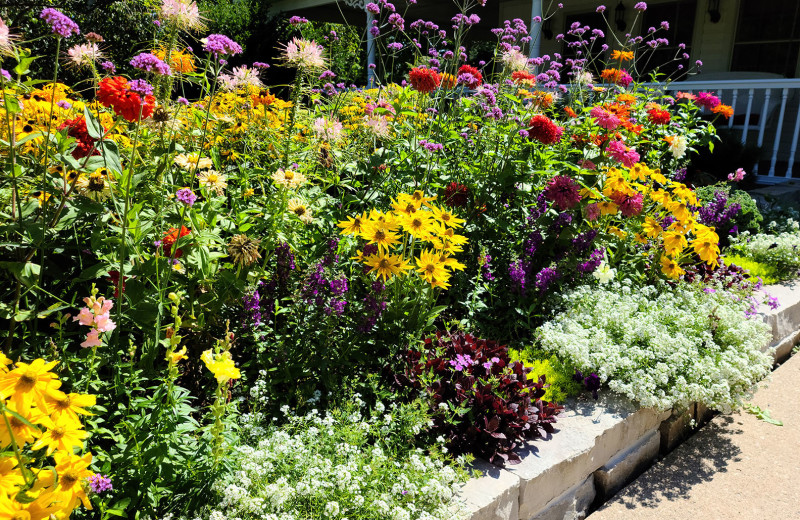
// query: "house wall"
[[712, 42]]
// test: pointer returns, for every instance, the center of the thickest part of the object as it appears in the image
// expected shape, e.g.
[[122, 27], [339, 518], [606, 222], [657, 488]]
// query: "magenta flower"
[[219, 44], [707, 100], [621, 153], [563, 191], [604, 118]]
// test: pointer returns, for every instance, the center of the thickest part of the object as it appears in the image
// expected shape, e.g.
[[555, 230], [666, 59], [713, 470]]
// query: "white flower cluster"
[[663, 349], [336, 466], [781, 251]]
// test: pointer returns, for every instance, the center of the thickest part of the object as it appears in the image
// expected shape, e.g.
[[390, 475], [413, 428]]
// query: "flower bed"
[[387, 281]]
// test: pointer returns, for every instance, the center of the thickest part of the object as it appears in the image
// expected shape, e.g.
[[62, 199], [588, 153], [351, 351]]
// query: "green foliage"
[[762, 415], [767, 272], [749, 217], [558, 373]]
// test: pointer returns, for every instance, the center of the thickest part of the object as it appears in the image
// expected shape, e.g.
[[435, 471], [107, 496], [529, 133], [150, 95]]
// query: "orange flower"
[[179, 61], [622, 55], [570, 112], [626, 99], [725, 110], [263, 98]]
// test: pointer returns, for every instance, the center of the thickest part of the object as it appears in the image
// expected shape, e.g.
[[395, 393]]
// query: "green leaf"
[[12, 105], [93, 126], [27, 272], [24, 65], [111, 155]]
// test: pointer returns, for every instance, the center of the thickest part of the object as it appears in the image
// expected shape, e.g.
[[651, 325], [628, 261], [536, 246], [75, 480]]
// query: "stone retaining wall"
[[599, 446]]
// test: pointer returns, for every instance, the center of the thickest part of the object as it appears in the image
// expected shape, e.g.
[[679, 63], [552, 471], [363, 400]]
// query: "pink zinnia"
[[563, 191], [629, 205], [621, 153], [707, 99], [605, 118]]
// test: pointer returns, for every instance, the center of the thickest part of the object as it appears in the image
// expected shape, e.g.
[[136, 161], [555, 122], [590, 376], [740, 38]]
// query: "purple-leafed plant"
[[480, 401]]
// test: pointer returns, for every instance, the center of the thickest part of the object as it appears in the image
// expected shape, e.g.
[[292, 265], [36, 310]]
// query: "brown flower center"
[[27, 381]]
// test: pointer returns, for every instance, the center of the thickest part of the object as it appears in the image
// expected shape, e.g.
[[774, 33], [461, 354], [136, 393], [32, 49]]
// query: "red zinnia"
[[658, 116], [630, 205], [424, 80], [170, 237], [477, 77], [544, 130], [76, 128], [115, 93], [456, 195]]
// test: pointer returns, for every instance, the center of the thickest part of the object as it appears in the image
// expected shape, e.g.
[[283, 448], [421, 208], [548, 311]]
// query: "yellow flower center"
[[213, 177], [63, 404], [379, 235], [58, 432], [384, 263], [288, 175]]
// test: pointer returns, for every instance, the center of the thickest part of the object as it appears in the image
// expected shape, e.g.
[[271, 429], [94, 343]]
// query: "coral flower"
[[725, 110], [658, 116], [170, 237], [424, 80], [115, 92]]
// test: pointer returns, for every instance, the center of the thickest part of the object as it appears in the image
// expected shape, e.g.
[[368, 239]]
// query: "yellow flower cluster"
[[657, 198], [37, 415], [414, 222], [221, 365]]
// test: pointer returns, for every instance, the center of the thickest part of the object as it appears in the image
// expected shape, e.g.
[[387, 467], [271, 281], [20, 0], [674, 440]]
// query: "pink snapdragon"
[[737, 176], [97, 315]]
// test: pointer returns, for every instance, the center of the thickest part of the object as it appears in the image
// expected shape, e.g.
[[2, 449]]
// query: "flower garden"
[[223, 298]]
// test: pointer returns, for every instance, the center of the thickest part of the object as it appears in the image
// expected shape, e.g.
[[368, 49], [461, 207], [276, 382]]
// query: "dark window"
[[767, 37]]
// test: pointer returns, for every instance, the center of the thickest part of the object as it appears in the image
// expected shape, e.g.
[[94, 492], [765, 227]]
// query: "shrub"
[[346, 463], [559, 375], [766, 272], [480, 401], [663, 349], [781, 252]]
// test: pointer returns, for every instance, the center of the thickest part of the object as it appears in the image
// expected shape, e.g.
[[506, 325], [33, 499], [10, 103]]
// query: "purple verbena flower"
[[59, 23]]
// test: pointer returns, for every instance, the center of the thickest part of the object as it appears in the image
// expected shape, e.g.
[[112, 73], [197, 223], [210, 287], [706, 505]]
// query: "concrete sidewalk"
[[735, 467]]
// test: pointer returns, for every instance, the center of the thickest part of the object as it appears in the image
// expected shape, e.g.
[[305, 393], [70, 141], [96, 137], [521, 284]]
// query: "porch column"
[[536, 29], [371, 51]]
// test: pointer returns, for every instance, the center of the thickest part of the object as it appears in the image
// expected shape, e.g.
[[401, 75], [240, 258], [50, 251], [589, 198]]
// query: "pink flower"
[[92, 339], [737, 176], [103, 323], [592, 212], [84, 317], [621, 153], [586, 164], [563, 191], [605, 118], [707, 99]]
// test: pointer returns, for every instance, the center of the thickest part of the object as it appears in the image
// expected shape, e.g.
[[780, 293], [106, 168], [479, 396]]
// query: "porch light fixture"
[[713, 10], [619, 16]]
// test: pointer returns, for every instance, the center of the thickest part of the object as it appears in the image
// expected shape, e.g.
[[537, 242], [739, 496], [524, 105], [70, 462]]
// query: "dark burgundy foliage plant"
[[500, 406]]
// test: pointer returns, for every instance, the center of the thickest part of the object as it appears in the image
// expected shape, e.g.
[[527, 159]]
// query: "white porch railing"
[[766, 114]]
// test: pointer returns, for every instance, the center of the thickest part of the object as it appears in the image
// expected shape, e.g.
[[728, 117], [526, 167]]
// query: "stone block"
[[626, 466], [588, 434], [785, 320], [676, 429], [703, 414], [783, 348], [572, 505], [492, 496]]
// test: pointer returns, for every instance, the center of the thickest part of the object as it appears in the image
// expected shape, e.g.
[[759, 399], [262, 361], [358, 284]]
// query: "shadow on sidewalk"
[[694, 462]]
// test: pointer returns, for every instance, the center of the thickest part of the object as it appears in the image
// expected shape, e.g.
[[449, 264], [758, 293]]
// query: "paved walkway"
[[735, 467]]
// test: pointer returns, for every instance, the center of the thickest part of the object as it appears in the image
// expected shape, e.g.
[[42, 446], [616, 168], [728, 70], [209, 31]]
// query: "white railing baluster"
[[784, 97], [794, 144], [763, 123], [733, 104], [747, 114]]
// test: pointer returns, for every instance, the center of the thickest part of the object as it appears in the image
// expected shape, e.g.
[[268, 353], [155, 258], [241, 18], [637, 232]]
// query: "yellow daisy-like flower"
[[419, 197], [70, 405], [10, 479], [684, 192], [617, 232], [622, 55], [651, 227], [419, 225], [446, 217], [706, 245], [679, 210], [607, 207], [617, 184], [376, 233], [671, 268], [430, 267], [657, 176], [64, 435], [639, 172], [98, 186], [29, 383], [405, 207], [386, 265], [353, 225], [221, 365], [72, 471], [193, 161], [450, 262], [662, 197], [387, 220], [674, 243]]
